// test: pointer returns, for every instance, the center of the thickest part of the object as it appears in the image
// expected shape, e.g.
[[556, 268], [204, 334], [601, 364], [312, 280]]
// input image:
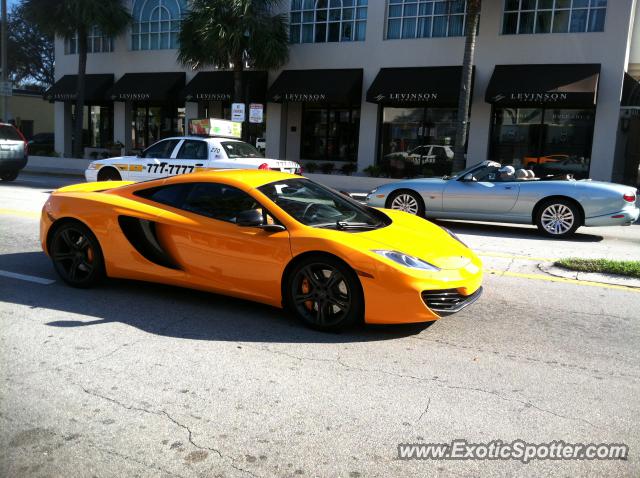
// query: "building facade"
[[376, 83]]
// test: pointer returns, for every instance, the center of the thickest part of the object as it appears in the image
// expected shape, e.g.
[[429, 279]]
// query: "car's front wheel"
[[558, 218], [324, 293], [407, 201], [77, 256], [9, 176], [109, 174]]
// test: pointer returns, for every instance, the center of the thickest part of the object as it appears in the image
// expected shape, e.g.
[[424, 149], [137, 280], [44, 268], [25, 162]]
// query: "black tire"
[[324, 293], [406, 200], [109, 174], [9, 176], [558, 218], [76, 255]]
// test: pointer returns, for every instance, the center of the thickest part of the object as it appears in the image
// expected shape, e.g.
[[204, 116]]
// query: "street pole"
[[3, 62]]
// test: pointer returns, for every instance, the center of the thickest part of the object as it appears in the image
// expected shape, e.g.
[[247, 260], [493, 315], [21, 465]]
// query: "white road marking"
[[28, 278]]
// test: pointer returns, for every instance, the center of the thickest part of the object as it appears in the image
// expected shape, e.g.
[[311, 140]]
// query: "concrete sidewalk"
[[75, 167]]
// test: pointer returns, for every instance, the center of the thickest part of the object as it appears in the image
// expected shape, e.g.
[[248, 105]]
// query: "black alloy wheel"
[[76, 255], [325, 294]]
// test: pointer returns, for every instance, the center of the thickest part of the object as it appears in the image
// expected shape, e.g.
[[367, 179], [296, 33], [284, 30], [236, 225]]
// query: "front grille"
[[448, 301]]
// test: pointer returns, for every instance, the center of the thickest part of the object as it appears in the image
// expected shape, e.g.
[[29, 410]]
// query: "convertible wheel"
[[407, 201], [9, 176], [76, 255], [558, 218], [324, 293]]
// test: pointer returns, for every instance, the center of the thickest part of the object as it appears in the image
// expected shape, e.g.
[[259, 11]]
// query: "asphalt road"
[[135, 379]]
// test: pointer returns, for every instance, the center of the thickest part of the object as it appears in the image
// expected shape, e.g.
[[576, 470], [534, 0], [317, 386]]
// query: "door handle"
[[508, 187]]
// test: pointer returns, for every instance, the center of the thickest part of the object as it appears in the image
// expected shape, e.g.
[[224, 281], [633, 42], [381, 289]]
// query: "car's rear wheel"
[[109, 174], [77, 256], [324, 293], [407, 201], [9, 176], [558, 218]]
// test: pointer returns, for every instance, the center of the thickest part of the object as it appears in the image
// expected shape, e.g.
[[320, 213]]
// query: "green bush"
[[311, 167], [326, 168], [349, 168], [373, 171]]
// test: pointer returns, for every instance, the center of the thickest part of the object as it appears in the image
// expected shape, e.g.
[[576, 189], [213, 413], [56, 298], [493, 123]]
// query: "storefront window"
[[97, 125], [330, 133], [418, 141], [549, 141], [153, 123]]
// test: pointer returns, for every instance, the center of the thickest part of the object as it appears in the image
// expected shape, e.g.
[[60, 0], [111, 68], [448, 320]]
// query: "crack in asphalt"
[[439, 382], [164, 413], [424, 412]]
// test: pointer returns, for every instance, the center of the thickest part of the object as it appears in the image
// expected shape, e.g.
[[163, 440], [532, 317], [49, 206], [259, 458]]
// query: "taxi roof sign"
[[215, 127]]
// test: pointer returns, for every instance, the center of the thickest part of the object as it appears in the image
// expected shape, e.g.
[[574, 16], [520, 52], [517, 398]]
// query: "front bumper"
[[621, 218], [396, 298], [91, 175]]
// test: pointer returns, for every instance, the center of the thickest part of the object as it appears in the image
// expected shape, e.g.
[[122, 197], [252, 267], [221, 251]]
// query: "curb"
[[610, 279]]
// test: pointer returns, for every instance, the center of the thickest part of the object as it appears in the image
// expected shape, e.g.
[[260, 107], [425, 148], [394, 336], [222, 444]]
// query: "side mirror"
[[250, 218], [469, 177]]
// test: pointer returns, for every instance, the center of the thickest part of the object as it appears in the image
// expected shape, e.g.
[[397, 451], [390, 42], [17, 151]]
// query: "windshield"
[[9, 133], [317, 206], [238, 149], [470, 169]]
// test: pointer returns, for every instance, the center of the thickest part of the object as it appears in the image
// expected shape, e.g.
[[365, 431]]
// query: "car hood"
[[420, 238], [117, 159]]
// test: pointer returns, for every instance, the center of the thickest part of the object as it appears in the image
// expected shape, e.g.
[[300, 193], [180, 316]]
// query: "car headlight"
[[406, 260], [93, 166], [453, 235]]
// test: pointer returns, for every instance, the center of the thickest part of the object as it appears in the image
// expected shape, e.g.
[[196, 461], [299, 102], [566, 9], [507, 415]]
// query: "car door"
[[153, 160], [486, 195], [200, 234], [191, 155]]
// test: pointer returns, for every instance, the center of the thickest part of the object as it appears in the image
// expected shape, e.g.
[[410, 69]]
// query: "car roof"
[[202, 138]]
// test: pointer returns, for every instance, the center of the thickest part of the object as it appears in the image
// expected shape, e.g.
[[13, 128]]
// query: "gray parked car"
[[487, 191], [13, 152]]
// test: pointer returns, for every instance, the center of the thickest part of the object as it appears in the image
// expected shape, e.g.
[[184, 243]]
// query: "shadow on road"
[[511, 231], [172, 311]]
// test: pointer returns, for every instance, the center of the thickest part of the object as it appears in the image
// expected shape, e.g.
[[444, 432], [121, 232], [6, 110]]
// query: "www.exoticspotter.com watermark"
[[515, 450]]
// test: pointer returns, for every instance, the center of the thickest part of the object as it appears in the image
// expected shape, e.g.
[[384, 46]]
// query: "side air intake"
[[142, 236]]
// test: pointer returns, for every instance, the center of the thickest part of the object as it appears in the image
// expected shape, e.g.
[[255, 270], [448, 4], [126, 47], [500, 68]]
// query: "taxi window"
[[193, 149], [238, 149], [161, 150]]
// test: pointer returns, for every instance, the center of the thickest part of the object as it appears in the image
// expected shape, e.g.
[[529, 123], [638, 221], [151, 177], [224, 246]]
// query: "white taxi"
[[185, 154]]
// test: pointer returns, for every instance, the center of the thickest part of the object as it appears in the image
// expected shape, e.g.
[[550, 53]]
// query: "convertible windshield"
[[317, 206], [470, 169], [238, 149]]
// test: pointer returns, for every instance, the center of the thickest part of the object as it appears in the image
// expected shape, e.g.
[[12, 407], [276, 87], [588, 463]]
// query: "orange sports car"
[[265, 236]]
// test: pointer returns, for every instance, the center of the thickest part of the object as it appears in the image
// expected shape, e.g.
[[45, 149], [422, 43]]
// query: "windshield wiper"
[[347, 226]]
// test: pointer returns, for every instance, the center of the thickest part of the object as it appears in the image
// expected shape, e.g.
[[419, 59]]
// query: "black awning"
[[218, 86], [630, 91], [538, 85], [417, 86], [317, 86], [154, 87], [95, 88]]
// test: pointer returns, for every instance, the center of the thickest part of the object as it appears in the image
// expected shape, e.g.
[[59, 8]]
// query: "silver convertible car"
[[490, 192]]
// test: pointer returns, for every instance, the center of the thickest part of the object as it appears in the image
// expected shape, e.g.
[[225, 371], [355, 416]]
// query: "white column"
[[122, 124], [190, 112], [63, 128], [276, 130], [368, 135]]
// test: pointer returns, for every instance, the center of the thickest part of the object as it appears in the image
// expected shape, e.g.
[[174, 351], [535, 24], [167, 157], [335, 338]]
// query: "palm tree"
[[71, 18], [231, 33], [464, 99]]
